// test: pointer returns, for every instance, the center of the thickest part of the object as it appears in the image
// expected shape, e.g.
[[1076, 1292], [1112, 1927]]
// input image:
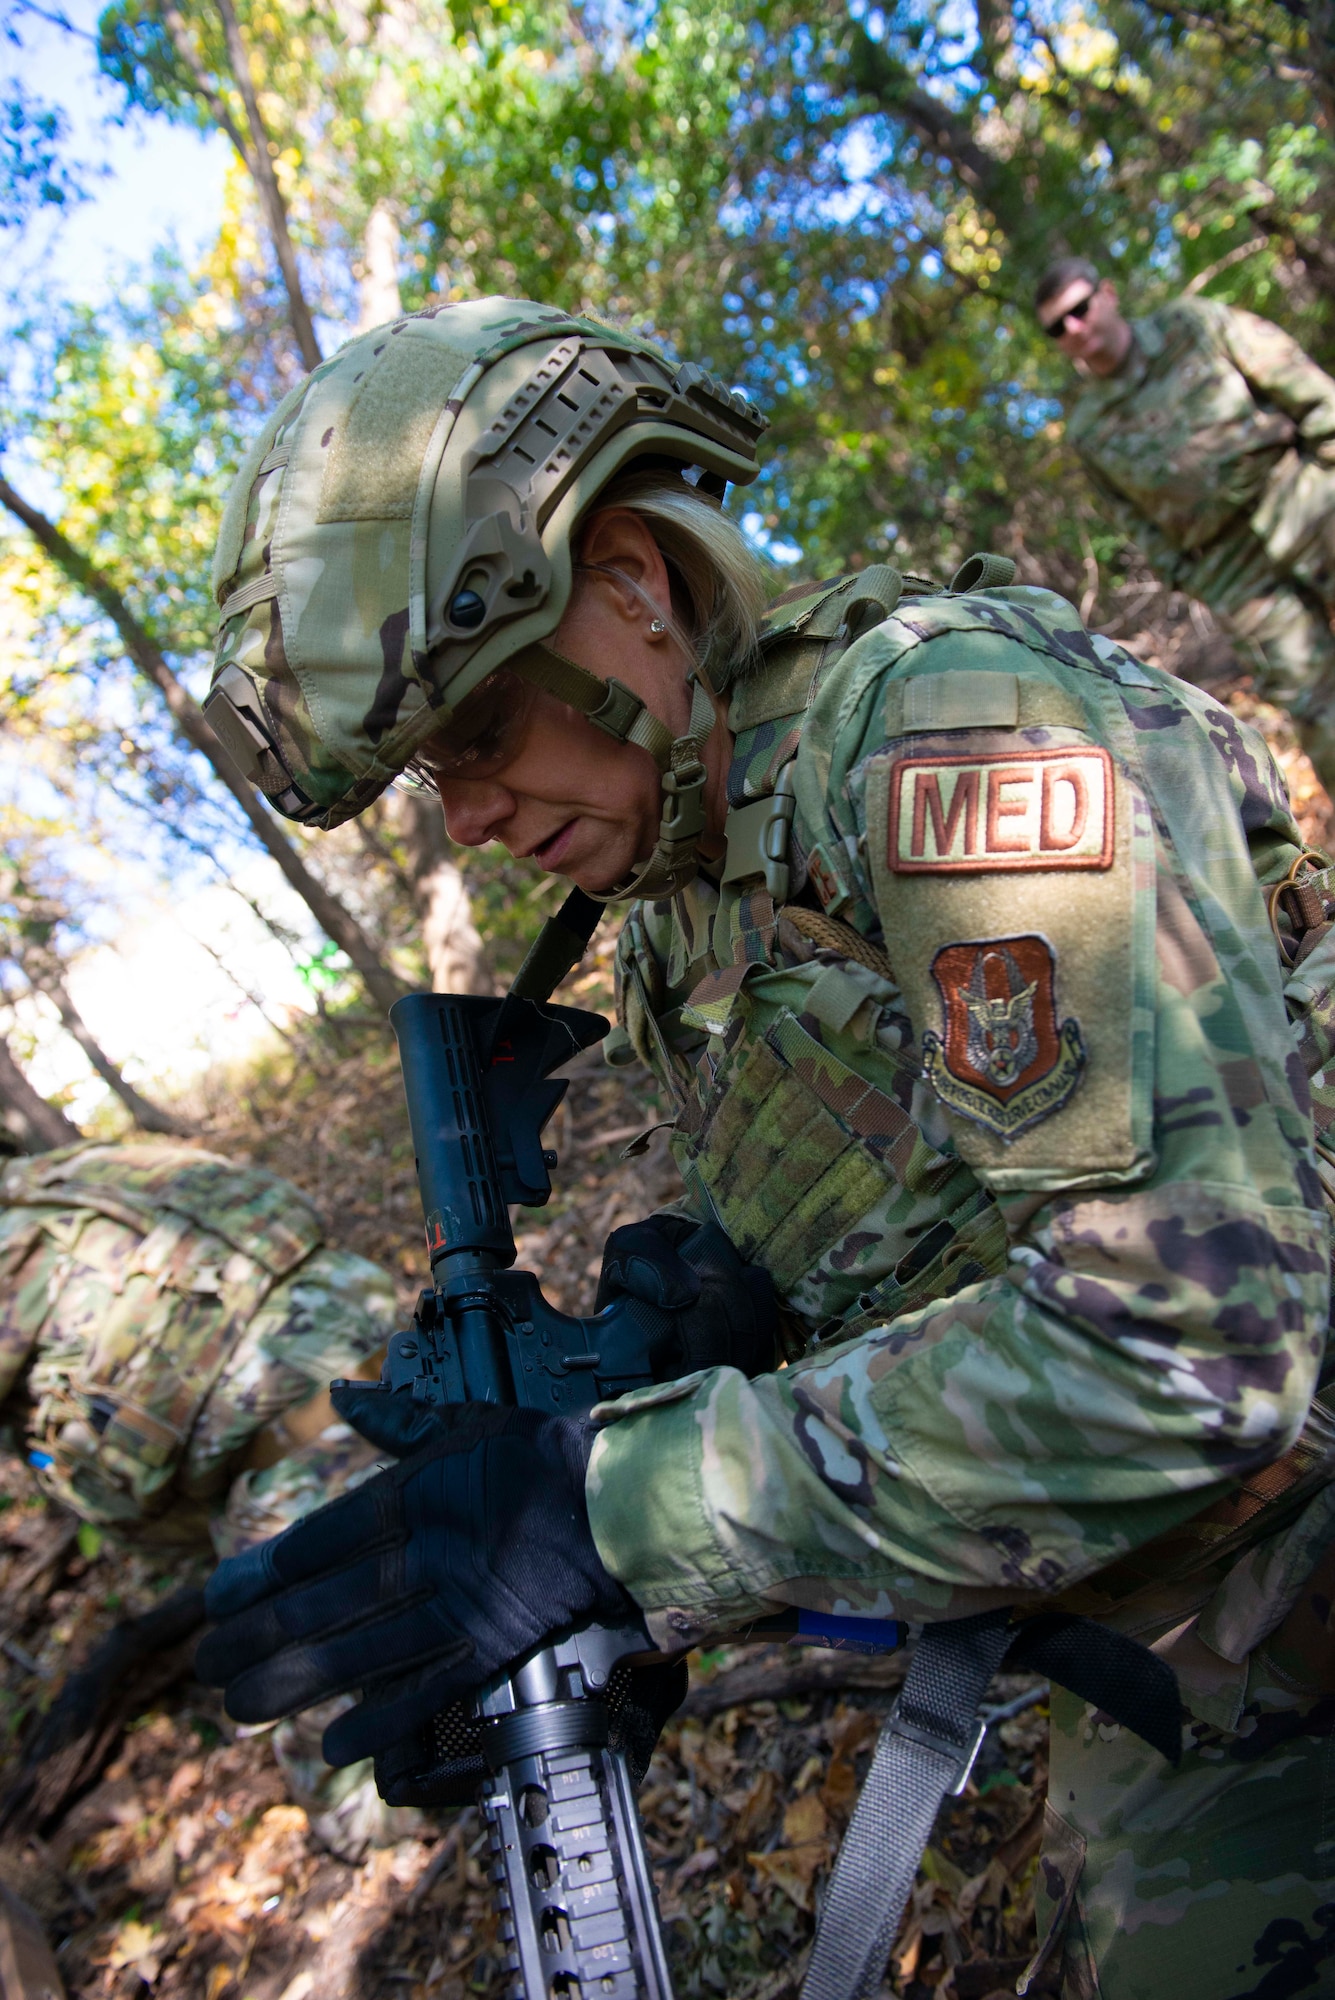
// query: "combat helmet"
[[401, 529]]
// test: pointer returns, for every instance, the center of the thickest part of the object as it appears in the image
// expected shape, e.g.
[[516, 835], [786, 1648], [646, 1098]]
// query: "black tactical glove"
[[424, 1583], [722, 1312]]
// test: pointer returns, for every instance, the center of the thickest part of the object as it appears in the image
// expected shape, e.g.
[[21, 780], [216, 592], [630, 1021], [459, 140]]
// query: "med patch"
[[1002, 1060], [1015, 809], [1013, 869]]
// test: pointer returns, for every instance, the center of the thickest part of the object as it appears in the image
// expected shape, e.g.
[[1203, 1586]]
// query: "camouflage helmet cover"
[[402, 525]]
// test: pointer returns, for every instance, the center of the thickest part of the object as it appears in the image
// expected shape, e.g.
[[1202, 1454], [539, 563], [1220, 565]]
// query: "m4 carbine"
[[578, 1914]]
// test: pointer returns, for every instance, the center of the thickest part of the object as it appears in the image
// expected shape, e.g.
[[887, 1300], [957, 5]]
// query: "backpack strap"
[[982, 572]]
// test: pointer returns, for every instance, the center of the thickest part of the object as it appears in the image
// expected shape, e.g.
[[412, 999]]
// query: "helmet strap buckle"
[[619, 712], [683, 803]]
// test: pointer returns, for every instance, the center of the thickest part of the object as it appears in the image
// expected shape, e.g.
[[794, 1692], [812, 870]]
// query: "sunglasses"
[[1057, 327]]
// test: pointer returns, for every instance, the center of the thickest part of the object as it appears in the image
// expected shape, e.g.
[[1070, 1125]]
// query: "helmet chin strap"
[[676, 856], [612, 707]]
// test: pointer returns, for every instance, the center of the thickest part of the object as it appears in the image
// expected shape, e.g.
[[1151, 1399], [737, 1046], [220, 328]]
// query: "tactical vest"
[[748, 997], [811, 1162]]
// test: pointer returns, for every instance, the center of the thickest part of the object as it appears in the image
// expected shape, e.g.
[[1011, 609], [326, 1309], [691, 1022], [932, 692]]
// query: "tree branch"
[[333, 917], [42, 1127], [1117, 103], [253, 154], [207, 91], [1222, 264], [880, 75], [148, 1116]]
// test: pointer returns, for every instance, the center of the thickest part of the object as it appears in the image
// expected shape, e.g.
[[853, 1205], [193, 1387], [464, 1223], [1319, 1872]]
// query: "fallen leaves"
[[793, 1869], [188, 1874], [138, 1947], [773, 1834], [805, 1821]]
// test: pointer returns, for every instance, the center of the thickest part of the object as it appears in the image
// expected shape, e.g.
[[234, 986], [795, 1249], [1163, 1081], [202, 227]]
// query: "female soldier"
[[951, 945]]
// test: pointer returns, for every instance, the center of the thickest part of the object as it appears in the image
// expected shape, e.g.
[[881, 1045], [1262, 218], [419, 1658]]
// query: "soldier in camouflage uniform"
[[952, 940], [169, 1325], [1210, 438]]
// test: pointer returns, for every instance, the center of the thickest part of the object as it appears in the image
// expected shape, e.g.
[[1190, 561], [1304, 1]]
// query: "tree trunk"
[[253, 156], [454, 952], [378, 272], [878, 72], [37, 1125], [150, 1117], [333, 917], [260, 163]]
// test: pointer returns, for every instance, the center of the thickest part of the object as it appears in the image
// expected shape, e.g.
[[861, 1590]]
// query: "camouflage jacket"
[[1216, 417], [159, 1308], [1025, 1121]]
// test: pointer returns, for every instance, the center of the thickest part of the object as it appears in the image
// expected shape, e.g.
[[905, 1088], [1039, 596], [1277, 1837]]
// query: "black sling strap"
[[558, 947]]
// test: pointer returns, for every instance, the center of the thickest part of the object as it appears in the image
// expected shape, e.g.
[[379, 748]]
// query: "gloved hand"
[[422, 1584], [723, 1312]]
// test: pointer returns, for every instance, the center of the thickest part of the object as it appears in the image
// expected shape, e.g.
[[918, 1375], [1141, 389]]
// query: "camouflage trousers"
[[1279, 622], [1214, 1880]]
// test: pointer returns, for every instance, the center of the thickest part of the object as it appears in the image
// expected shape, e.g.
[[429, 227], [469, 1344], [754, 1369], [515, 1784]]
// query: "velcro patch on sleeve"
[[1004, 1058], [1016, 887], [1002, 811]]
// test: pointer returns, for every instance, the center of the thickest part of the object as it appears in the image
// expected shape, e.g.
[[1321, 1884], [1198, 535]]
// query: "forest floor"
[[171, 1860]]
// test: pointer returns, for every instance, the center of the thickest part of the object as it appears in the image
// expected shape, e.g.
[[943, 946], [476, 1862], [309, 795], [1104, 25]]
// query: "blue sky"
[[161, 181], [154, 995]]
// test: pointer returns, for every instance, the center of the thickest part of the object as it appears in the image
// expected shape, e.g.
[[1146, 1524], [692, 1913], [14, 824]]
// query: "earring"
[[658, 625]]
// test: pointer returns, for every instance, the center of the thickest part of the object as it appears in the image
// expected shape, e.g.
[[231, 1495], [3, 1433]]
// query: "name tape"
[[1040, 809]]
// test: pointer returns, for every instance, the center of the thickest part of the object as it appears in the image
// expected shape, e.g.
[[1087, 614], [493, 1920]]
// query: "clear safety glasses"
[[485, 733]]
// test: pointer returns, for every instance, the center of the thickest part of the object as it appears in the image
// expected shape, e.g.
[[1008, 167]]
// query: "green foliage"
[[842, 210], [844, 213], [325, 970], [132, 409], [33, 173]]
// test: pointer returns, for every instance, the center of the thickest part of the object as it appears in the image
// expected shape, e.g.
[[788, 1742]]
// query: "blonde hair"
[[712, 566]]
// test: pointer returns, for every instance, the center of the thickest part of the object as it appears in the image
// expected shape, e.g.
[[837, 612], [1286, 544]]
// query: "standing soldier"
[[1210, 437], [949, 936]]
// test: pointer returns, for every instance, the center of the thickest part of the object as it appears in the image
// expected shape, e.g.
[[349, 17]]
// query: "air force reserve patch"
[[1016, 810], [1001, 1059]]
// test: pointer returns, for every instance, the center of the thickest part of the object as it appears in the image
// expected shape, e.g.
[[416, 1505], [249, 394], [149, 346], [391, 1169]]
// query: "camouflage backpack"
[[162, 1306]]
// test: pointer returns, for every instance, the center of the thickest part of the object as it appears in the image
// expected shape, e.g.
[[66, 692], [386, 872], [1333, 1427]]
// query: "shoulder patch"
[[1003, 1060], [1002, 810], [1015, 884]]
